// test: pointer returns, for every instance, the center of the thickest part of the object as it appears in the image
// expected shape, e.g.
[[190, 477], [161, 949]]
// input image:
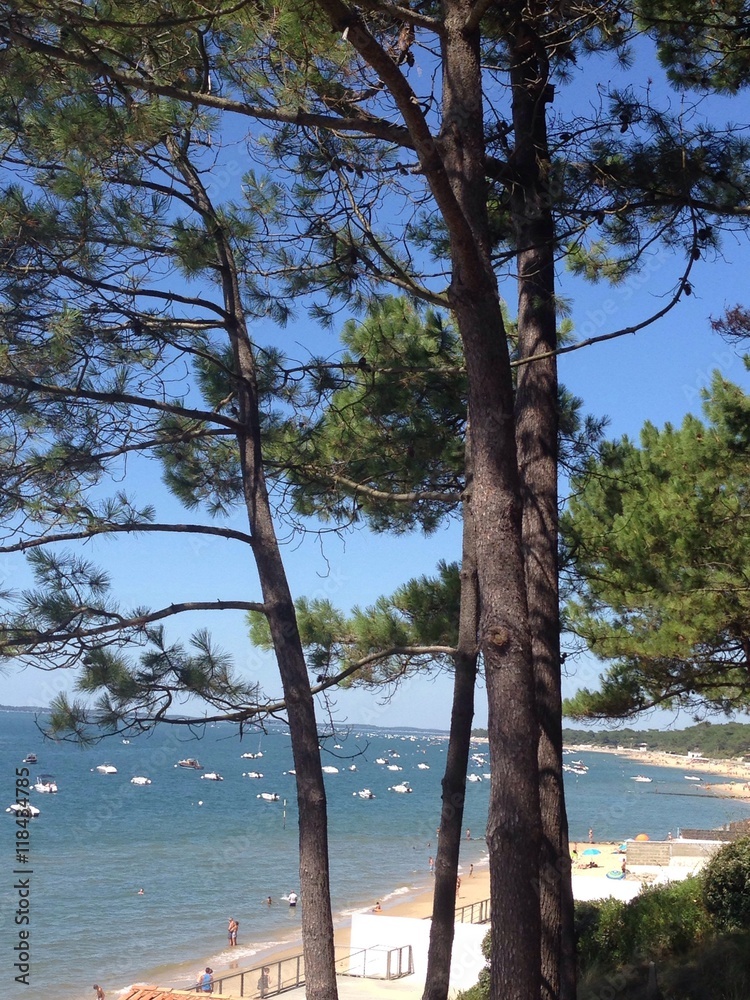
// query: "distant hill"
[[716, 740], [23, 708]]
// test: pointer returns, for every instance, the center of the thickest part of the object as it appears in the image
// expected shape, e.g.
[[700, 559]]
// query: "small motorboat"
[[18, 809], [252, 756], [45, 783], [352, 767], [30, 758], [403, 788], [364, 793], [423, 767], [252, 774], [329, 769], [190, 762], [212, 776], [106, 769], [474, 777], [692, 777], [268, 796], [641, 777], [140, 780], [380, 760], [394, 767]]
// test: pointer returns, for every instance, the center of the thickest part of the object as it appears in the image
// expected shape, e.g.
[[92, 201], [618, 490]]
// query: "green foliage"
[[716, 741], [389, 445], [702, 44], [415, 628], [726, 886], [661, 921], [657, 537]]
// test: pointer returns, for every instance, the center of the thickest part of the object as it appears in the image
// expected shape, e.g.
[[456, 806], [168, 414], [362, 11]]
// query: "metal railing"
[[260, 981], [273, 978], [474, 913], [378, 962]]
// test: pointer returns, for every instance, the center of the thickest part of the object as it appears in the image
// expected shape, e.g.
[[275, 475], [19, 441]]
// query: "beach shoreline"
[[731, 767]]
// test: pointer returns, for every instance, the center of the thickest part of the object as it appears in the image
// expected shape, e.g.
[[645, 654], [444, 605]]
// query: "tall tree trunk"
[[317, 920], [537, 438], [454, 780], [513, 831]]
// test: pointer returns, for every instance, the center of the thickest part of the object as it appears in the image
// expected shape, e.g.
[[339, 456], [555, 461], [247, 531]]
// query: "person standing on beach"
[[292, 899], [591, 835], [263, 981], [431, 863]]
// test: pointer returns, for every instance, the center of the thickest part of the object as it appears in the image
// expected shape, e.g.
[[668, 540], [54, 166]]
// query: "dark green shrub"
[[598, 927], [726, 886], [665, 920]]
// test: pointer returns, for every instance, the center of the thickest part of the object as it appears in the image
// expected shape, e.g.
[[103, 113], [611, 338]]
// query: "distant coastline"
[[24, 708]]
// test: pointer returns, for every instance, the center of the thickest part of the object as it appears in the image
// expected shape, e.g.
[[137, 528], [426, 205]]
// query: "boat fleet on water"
[[47, 783]]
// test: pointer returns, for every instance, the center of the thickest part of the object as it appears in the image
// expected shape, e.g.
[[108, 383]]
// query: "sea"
[[204, 850]]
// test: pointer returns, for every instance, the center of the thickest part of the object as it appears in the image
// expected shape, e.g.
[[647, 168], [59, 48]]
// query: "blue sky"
[[655, 375]]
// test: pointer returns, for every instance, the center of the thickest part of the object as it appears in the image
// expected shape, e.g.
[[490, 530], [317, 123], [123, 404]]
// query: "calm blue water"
[[204, 851]]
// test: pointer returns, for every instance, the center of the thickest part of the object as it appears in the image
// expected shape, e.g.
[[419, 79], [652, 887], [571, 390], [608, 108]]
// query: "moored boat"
[[19, 809], [45, 783], [106, 769], [403, 788], [190, 762]]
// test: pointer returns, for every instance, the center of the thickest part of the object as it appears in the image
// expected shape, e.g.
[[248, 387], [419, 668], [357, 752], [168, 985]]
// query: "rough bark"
[[537, 440], [513, 832], [437, 980]]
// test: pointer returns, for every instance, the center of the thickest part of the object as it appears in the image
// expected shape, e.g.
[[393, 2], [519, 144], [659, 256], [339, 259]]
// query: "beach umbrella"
[[592, 850], [642, 836]]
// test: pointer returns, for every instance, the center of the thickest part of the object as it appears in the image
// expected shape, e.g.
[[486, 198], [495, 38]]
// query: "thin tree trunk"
[[437, 980], [537, 437], [316, 919]]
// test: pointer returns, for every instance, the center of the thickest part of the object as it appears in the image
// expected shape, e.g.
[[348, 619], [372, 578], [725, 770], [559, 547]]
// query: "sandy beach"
[[589, 882], [737, 770]]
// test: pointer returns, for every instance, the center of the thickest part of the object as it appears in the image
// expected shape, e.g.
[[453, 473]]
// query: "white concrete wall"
[[371, 930]]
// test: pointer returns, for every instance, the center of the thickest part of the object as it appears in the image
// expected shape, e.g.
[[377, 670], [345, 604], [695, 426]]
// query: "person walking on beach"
[[591, 835], [232, 931], [99, 992], [431, 863], [206, 984]]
